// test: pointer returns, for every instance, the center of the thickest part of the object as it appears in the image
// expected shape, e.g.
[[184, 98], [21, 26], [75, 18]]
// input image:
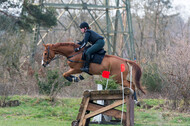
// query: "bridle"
[[47, 62], [68, 58], [48, 56]]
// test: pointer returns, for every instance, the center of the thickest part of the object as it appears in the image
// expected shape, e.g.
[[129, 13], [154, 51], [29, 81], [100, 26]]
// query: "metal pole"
[[130, 29], [108, 28], [116, 29]]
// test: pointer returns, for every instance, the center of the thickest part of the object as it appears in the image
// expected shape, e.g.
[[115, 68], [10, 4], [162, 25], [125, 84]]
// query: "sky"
[[182, 6], [15, 12]]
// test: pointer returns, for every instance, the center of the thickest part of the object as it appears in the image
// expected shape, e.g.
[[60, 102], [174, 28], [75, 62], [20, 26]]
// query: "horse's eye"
[[45, 54]]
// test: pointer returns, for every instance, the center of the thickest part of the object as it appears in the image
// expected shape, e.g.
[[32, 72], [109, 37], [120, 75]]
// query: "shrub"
[[151, 78], [111, 83], [175, 67], [51, 84]]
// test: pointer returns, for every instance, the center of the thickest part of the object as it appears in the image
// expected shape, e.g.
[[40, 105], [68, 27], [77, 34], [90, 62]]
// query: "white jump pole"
[[98, 118]]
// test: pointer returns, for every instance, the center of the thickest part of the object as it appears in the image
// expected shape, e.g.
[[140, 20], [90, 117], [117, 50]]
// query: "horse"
[[109, 63]]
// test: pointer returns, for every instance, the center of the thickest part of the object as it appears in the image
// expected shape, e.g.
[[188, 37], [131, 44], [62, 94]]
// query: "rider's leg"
[[94, 48], [86, 64]]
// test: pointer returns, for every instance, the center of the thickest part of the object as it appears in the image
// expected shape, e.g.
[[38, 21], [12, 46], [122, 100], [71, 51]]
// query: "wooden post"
[[82, 119], [130, 111]]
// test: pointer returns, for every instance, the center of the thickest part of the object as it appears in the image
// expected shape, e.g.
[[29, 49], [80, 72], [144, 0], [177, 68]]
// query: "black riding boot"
[[86, 65]]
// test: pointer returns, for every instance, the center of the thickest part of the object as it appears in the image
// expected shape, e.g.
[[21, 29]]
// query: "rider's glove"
[[79, 42], [77, 49]]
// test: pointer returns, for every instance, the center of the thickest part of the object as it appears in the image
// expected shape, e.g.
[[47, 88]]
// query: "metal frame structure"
[[112, 19]]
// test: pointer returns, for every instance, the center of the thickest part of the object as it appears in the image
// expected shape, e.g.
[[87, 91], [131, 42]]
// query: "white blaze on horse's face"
[[45, 55], [42, 60], [43, 63]]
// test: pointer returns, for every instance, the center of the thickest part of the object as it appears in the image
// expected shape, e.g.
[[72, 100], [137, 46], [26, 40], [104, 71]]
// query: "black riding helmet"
[[84, 24]]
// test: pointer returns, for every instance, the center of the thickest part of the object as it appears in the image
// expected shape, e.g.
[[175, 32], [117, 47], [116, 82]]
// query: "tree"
[[175, 72], [27, 15], [152, 26]]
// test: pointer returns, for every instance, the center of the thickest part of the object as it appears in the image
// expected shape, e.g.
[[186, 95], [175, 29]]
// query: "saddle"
[[96, 57]]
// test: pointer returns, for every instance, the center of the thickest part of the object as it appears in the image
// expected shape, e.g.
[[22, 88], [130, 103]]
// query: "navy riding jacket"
[[90, 36]]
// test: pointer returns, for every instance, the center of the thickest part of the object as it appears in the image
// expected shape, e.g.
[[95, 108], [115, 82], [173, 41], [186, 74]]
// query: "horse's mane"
[[64, 44]]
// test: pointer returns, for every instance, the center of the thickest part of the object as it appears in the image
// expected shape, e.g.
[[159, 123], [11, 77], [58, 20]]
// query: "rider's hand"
[[77, 49], [79, 42]]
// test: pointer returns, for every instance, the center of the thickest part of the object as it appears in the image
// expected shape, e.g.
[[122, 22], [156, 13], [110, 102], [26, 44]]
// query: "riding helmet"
[[84, 24]]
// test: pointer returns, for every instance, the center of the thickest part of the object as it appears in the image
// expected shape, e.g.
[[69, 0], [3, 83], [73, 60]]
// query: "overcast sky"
[[184, 8]]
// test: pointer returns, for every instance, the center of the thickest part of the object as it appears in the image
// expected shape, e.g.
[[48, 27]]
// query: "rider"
[[95, 39]]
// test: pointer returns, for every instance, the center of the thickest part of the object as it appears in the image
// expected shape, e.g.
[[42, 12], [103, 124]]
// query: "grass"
[[39, 111]]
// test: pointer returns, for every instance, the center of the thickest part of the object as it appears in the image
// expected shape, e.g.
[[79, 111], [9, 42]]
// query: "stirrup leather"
[[85, 69]]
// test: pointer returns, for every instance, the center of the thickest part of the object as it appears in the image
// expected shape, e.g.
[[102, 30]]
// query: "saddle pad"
[[96, 57]]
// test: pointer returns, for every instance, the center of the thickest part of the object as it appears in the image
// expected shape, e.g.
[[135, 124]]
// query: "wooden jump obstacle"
[[89, 108]]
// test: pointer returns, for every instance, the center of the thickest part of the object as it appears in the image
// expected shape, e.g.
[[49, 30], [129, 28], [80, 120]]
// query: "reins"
[[74, 55], [68, 58]]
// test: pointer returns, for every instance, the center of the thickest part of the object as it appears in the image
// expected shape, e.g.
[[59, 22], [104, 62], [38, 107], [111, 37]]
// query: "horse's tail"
[[136, 75]]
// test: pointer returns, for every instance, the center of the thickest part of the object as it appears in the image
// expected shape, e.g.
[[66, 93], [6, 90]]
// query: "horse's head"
[[48, 55]]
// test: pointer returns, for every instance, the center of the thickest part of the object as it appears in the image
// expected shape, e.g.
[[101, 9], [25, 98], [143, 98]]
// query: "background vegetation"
[[162, 44]]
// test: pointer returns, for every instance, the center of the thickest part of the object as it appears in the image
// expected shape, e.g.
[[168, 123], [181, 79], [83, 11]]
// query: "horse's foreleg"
[[68, 75], [69, 78]]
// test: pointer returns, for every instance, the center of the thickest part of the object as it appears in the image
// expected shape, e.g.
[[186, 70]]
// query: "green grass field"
[[34, 111]]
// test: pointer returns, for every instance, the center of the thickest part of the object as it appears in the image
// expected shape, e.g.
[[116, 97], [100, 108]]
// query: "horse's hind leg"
[[127, 84]]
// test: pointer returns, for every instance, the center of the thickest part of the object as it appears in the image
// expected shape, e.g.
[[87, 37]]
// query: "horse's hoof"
[[76, 79], [69, 79], [137, 103], [81, 77]]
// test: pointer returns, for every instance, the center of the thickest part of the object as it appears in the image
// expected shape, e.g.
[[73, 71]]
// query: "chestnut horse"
[[109, 63]]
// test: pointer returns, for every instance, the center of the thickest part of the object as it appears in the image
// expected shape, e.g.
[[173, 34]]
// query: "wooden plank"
[[112, 112], [115, 104], [108, 92], [82, 119], [81, 108], [106, 97]]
